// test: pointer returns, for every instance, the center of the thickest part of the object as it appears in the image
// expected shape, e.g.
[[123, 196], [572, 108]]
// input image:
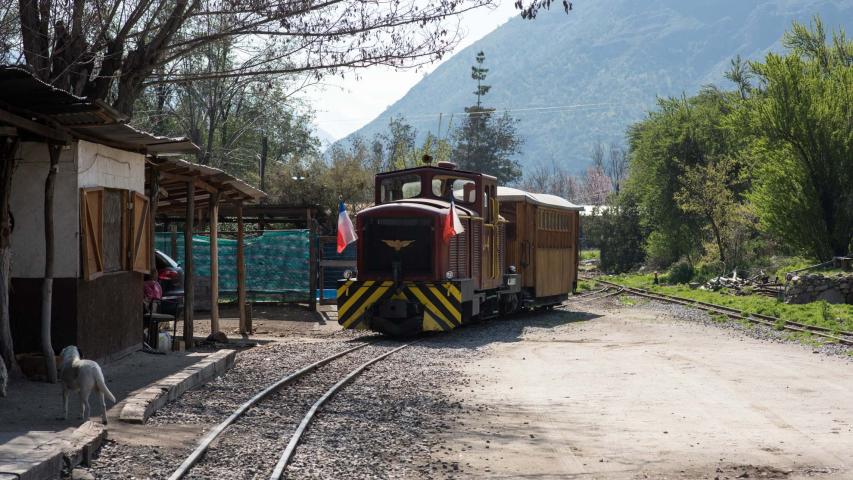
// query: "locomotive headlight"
[[449, 275], [347, 274]]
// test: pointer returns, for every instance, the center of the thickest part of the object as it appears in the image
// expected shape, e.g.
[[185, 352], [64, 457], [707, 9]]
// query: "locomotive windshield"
[[464, 189], [400, 188]]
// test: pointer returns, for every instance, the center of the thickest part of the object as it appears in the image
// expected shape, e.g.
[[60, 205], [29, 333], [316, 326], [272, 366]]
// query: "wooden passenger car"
[[541, 241]]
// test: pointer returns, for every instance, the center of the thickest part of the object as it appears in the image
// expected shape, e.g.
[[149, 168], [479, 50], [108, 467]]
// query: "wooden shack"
[[541, 240], [101, 216]]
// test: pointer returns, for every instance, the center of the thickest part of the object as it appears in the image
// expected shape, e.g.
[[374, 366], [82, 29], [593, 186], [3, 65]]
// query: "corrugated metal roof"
[[544, 199], [176, 190], [25, 95]]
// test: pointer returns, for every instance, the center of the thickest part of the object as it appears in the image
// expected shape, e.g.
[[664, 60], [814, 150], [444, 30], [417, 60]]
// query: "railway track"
[[311, 387], [843, 337]]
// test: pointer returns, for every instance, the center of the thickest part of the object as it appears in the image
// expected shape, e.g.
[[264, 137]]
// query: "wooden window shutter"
[[140, 233], [91, 229]]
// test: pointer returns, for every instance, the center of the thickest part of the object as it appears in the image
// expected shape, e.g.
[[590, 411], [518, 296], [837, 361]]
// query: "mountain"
[[326, 139], [578, 79]]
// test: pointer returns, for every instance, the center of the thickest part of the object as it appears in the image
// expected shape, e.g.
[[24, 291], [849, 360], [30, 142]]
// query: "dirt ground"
[[271, 321], [632, 393]]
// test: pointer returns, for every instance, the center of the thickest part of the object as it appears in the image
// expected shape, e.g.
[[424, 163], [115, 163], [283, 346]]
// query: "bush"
[[660, 250], [680, 272], [619, 237]]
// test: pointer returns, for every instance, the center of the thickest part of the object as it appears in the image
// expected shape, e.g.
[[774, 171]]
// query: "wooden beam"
[[312, 263], [245, 328], [189, 282], [49, 133], [214, 263]]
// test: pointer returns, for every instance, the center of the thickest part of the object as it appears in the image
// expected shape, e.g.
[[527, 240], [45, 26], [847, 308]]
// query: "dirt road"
[[634, 393]]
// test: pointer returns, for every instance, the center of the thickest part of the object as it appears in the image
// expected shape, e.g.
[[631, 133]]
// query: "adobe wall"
[[27, 206]]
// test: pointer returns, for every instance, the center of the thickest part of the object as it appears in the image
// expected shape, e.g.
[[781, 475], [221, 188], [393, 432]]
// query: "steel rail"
[[734, 313], [588, 294], [587, 299], [297, 435], [205, 442]]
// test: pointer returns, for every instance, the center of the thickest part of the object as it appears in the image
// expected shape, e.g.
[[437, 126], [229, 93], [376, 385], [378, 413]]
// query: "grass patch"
[[590, 254], [586, 285], [835, 317], [627, 301]]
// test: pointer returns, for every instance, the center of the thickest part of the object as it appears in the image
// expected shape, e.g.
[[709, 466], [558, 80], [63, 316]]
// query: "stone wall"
[[809, 288]]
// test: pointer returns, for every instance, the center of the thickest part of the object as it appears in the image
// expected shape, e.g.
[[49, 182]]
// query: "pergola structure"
[[181, 189]]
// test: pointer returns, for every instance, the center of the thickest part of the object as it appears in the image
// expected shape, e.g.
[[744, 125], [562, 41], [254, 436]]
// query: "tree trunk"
[[718, 237], [262, 167], [47, 285], [8, 149]]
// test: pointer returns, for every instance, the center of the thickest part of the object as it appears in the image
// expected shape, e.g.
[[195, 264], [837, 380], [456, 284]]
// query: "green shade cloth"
[[277, 264]]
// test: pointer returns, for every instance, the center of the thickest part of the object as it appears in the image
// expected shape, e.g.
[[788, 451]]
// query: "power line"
[[546, 110]]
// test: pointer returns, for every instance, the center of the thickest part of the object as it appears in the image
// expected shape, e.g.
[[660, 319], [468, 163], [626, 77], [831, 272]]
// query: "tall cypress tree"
[[487, 143]]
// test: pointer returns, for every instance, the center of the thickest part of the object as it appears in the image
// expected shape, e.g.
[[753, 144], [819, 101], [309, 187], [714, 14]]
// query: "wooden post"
[[154, 197], [245, 327], [312, 263], [188, 266], [47, 284], [214, 262], [174, 230]]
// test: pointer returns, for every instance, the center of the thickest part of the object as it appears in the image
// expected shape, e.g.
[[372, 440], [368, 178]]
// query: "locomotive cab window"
[[464, 189], [400, 188]]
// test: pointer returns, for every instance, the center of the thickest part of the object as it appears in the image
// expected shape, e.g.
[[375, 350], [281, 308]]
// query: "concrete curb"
[[56, 454], [144, 402]]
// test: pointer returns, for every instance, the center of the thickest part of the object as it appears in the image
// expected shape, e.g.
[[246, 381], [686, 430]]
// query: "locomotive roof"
[[434, 169], [542, 199]]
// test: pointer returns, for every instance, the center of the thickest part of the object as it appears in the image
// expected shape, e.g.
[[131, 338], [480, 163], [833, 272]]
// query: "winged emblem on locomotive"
[[398, 245]]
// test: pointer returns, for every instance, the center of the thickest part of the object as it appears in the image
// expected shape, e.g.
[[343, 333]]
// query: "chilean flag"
[[452, 224], [346, 232]]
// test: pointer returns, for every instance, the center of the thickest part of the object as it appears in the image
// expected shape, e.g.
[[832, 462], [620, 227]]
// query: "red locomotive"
[[518, 250]]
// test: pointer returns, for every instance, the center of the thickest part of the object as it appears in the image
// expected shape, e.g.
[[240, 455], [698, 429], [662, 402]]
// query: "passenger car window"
[[464, 190], [399, 188]]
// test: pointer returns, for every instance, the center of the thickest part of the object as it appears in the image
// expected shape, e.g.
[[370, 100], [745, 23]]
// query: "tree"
[[682, 134], [709, 190], [554, 179], [399, 144], [487, 143], [478, 73], [618, 233], [111, 49], [803, 146]]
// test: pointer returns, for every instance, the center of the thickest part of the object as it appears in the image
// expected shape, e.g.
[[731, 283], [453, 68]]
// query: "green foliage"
[[673, 152], [803, 145], [680, 272], [619, 236], [590, 254], [721, 176]]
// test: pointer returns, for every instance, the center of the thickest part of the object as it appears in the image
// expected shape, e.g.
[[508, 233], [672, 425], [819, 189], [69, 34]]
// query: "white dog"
[[82, 376]]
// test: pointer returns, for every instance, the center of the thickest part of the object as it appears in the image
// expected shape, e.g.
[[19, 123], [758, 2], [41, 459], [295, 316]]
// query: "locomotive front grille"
[[408, 240]]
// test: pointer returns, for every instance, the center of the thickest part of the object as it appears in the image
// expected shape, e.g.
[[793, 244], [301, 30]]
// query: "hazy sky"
[[342, 106]]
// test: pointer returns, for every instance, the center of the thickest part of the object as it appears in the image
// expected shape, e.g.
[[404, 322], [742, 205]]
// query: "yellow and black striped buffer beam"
[[441, 302]]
